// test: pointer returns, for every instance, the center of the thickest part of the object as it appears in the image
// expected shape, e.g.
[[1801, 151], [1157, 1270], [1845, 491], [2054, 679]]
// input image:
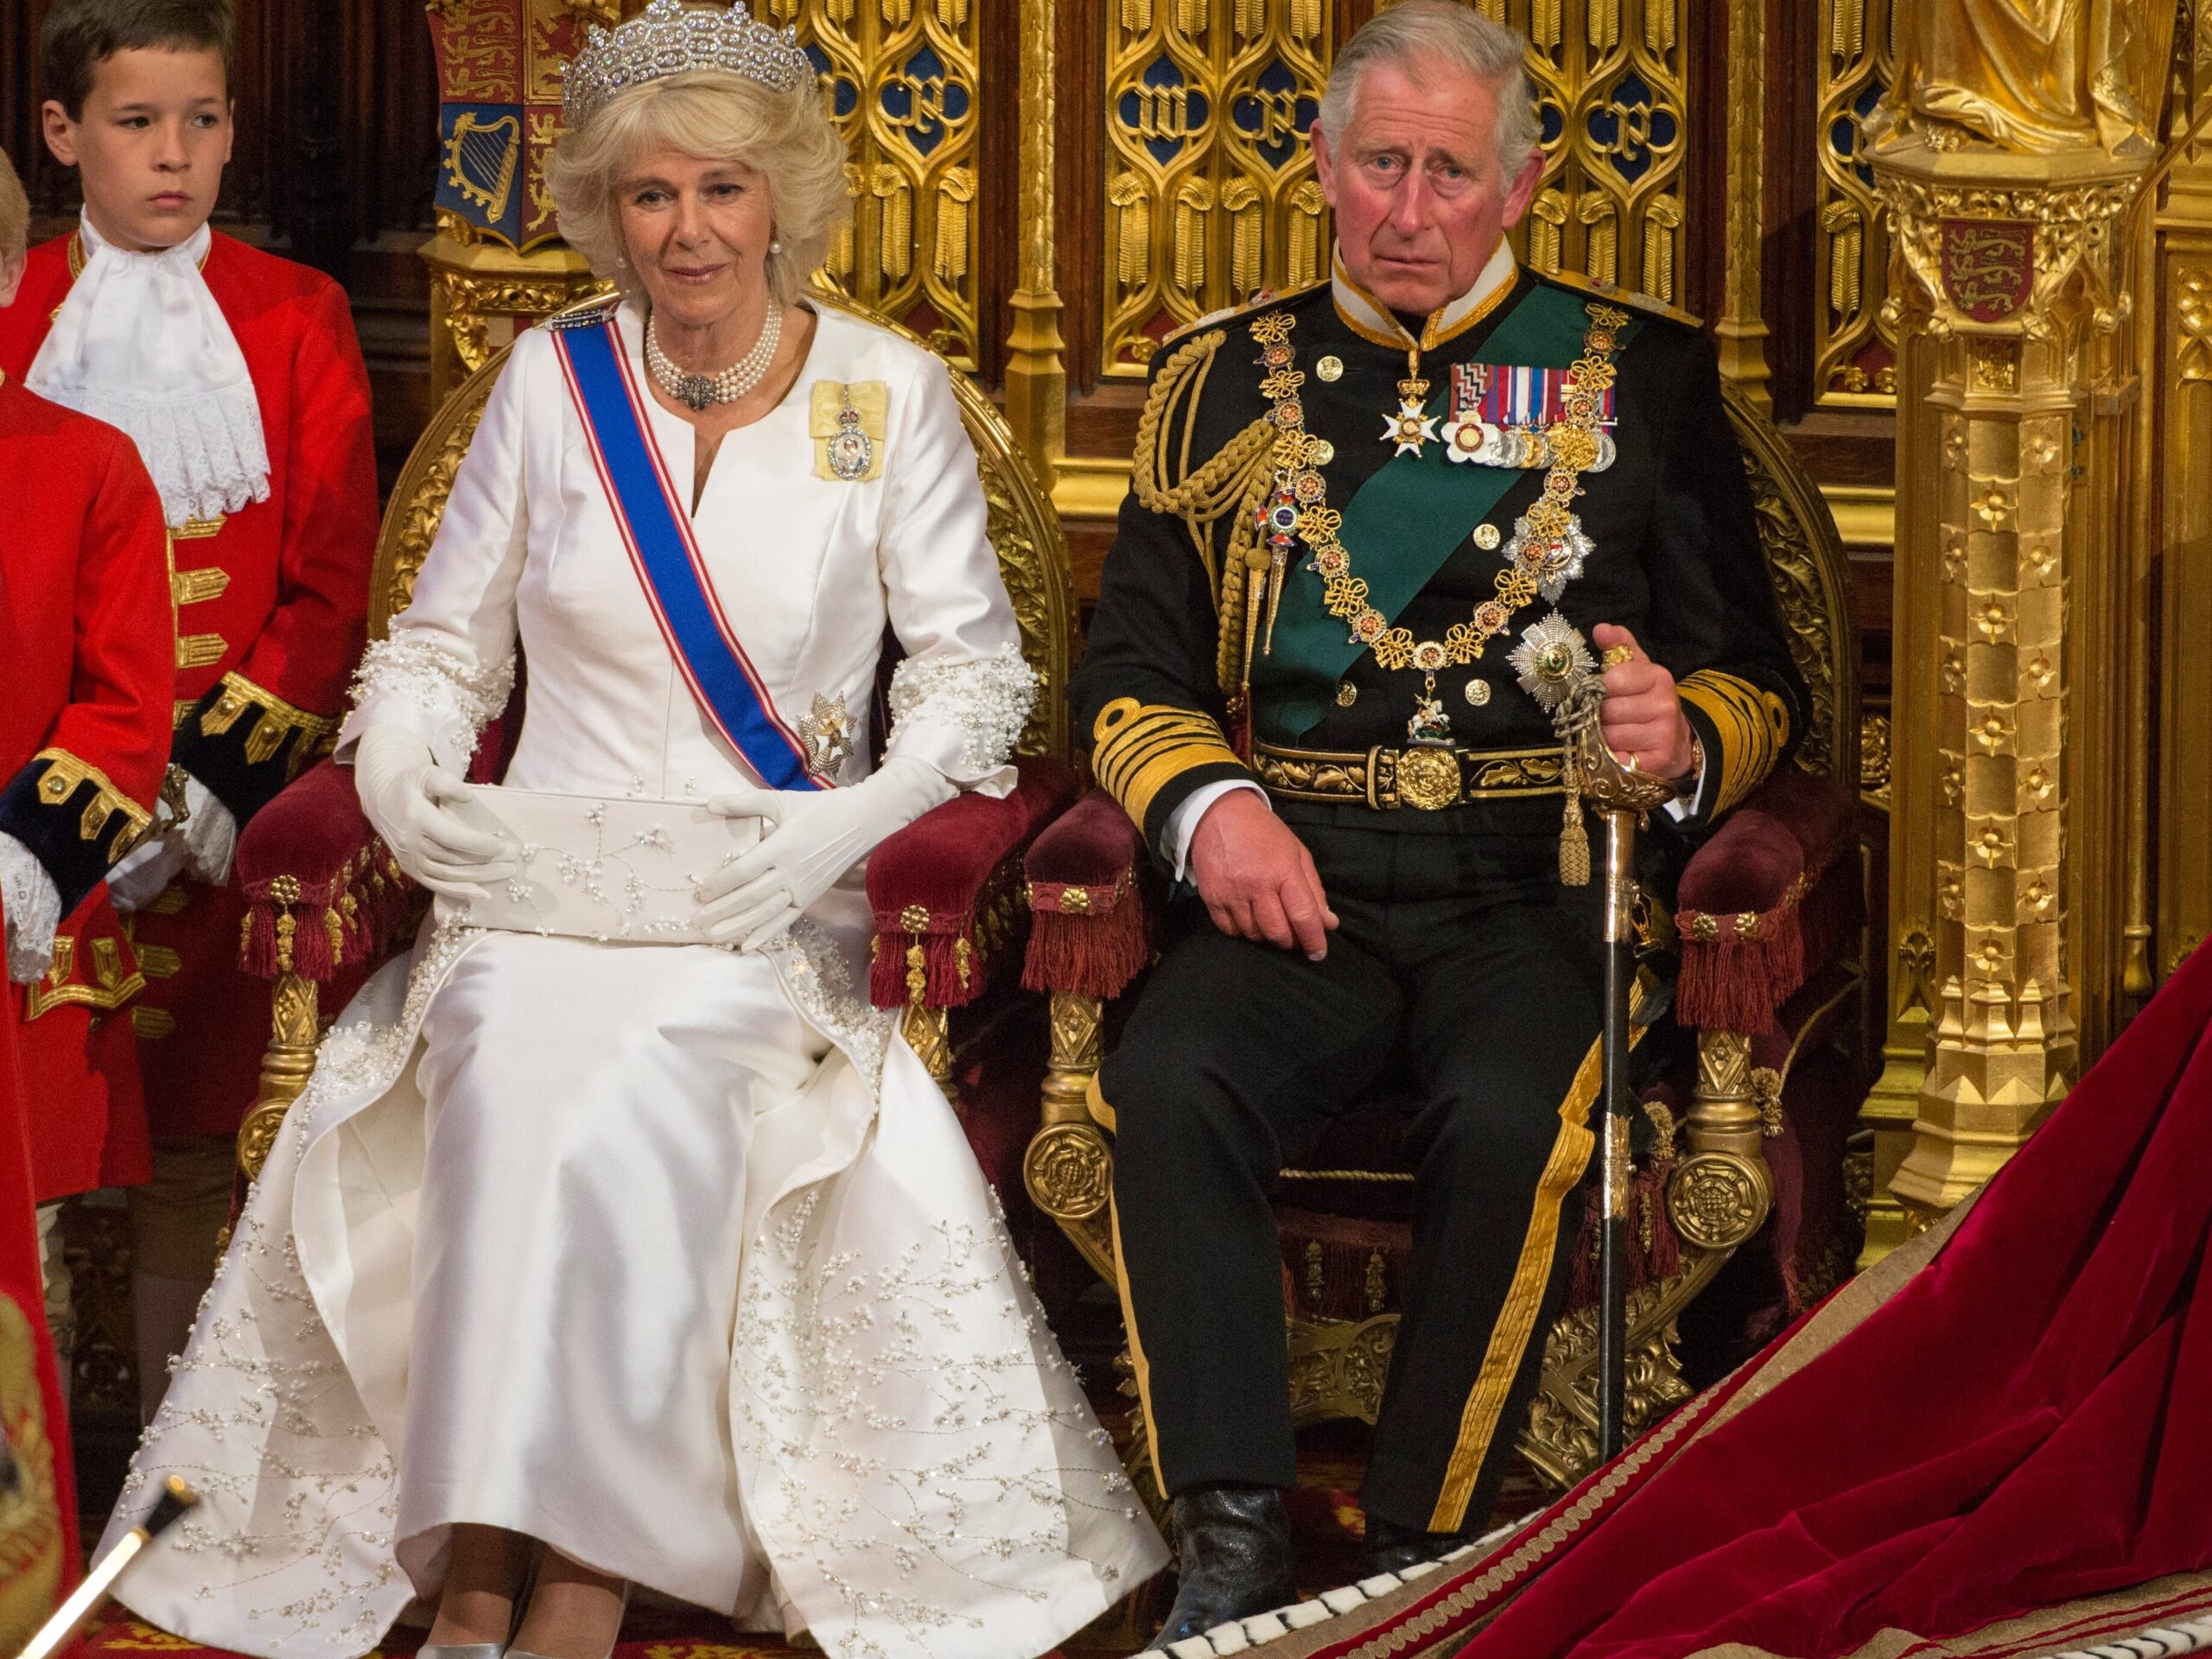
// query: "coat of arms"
[[1988, 265]]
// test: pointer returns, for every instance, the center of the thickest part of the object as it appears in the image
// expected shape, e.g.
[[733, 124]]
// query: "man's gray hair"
[[1419, 37]]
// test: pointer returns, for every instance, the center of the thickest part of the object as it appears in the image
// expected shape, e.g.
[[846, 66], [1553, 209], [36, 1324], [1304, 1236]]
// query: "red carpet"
[[1325, 1514]]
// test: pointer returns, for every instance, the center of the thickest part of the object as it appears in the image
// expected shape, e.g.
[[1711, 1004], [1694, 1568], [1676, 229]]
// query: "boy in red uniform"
[[239, 376], [85, 634]]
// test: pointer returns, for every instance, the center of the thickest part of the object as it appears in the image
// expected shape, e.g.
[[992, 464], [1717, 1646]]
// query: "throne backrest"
[[1025, 531], [1805, 561]]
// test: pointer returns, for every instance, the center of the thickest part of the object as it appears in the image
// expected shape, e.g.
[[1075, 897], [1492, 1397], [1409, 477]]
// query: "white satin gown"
[[673, 1257]]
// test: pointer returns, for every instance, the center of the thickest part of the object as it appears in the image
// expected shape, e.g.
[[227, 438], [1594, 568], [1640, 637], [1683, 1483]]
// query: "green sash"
[[1401, 526]]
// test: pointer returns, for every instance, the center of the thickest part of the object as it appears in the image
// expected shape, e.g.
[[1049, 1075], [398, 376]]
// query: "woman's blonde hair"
[[14, 214], [786, 136]]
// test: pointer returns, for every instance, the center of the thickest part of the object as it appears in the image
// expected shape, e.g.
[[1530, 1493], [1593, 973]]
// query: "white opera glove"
[[33, 906], [424, 814], [809, 839]]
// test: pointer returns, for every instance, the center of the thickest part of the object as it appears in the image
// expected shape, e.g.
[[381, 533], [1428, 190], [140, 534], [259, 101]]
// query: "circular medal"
[[1330, 368], [1487, 537], [1478, 692], [1347, 694], [1323, 452]]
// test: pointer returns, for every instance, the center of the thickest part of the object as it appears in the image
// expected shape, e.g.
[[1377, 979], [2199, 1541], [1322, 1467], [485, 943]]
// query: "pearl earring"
[[775, 247]]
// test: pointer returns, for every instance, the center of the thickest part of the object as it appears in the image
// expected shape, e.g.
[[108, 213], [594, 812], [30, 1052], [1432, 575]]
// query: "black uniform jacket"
[[1163, 684]]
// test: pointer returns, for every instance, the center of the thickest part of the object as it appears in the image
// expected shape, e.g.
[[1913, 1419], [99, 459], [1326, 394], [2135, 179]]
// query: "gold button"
[[1329, 368], [1347, 694], [1324, 452], [1478, 692], [1486, 537]]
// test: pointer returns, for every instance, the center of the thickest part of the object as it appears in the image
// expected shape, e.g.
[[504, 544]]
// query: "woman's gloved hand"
[[425, 815], [809, 839]]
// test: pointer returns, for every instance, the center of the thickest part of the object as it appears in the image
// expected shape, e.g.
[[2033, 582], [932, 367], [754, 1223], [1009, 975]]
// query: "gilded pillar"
[[2181, 857], [1741, 330], [2016, 441], [1036, 373]]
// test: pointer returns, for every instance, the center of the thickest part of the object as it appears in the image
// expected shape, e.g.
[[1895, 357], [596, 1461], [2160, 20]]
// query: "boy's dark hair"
[[78, 35]]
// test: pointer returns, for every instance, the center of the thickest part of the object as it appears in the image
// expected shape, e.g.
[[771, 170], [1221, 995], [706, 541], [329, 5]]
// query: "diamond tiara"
[[669, 38]]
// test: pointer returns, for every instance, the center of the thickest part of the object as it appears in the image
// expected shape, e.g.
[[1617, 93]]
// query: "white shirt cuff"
[[1683, 808], [1183, 822]]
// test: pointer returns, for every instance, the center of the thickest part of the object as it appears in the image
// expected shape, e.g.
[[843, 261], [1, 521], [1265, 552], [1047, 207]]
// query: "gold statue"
[[2033, 75]]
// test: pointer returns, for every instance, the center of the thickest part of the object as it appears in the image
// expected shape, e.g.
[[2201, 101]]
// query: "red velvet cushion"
[[311, 832], [934, 885], [943, 860], [1087, 900], [1793, 825], [1095, 847]]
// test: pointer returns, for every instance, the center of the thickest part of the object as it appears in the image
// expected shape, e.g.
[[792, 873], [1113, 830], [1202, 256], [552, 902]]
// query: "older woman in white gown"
[[615, 1232]]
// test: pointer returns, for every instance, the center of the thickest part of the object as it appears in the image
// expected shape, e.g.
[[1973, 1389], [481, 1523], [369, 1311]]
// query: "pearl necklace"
[[700, 391]]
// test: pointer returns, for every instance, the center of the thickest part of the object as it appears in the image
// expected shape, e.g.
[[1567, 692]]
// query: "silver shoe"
[[461, 1650]]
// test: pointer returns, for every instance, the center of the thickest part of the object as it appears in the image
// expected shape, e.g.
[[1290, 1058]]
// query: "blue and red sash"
[[657, 530]]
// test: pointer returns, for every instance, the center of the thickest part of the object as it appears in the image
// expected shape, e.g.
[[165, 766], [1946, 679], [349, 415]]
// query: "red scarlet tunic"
[[86, 633], [271, 605]]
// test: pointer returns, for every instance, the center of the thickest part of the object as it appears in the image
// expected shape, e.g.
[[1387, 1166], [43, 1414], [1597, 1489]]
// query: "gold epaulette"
[[1228, 313], [275, 720], [1614, 294]]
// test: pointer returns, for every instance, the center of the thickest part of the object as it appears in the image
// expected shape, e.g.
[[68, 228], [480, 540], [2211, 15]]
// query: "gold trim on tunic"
[[276, 721], [64, 774], [1141, 747]]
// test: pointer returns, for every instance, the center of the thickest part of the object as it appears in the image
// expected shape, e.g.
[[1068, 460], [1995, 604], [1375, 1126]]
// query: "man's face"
[[1415, 182], [150, 146]]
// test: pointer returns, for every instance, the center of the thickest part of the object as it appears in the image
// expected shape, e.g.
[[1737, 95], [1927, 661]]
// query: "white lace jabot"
[[140, 344]]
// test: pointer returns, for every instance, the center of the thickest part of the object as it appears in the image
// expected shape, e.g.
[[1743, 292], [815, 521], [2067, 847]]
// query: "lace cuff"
[[32, 905], [409, 680], [964, 716]]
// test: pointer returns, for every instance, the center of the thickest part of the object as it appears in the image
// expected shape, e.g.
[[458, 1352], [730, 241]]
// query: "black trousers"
[[1462, 971]]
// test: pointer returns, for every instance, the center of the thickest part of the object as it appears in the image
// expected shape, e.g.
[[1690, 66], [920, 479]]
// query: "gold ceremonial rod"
[[59, 1630]]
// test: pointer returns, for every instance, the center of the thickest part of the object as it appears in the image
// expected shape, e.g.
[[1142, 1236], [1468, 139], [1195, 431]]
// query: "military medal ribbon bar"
[[1502, 414]]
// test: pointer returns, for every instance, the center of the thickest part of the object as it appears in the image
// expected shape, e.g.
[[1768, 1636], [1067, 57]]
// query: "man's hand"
[[1643, 719], [1257, 879]]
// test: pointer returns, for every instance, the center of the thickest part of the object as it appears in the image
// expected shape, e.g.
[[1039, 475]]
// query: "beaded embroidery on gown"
[[673, 1256]]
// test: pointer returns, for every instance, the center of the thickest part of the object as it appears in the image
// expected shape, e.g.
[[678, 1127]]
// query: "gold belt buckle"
[[1429, 778]]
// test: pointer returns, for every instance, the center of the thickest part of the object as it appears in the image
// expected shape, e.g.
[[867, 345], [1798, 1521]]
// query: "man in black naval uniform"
[[1375, 529]]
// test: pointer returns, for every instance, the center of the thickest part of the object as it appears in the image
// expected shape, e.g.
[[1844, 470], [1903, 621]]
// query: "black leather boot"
[[1390, 1548], [1232, 1559]]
